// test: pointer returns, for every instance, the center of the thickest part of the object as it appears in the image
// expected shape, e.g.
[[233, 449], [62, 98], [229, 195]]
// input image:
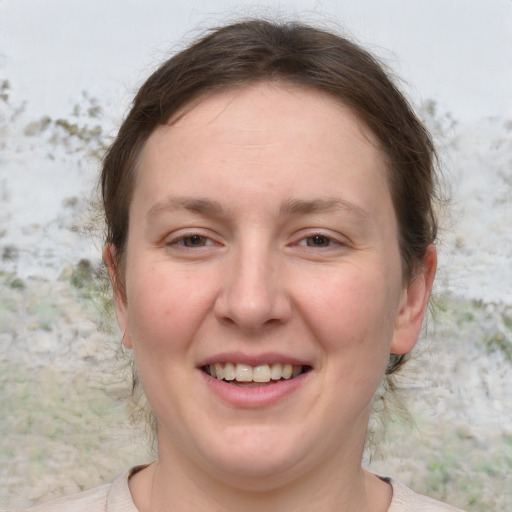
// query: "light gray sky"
[[458, 52]]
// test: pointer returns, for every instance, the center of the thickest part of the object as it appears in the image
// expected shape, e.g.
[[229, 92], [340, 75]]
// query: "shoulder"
[[406, 500], [92, 500], [114, 497]]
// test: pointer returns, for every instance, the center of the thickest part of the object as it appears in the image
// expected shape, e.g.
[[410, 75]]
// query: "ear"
[[109, 257], [413, 305]]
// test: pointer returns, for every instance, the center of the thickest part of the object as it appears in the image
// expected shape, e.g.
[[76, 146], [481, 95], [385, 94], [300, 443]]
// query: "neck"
[[172, 484]]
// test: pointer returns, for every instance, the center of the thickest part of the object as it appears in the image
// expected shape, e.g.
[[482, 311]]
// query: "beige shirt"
[[116, 497]]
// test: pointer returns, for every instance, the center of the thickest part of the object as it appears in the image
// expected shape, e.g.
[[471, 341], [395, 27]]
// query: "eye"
[[190, 241], [317, 241], [194, 241]]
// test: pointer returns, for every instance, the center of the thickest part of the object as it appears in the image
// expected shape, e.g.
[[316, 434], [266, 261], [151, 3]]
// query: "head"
[[269, 209], [292, 54]]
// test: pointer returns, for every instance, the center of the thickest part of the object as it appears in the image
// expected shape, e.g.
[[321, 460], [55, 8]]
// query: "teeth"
[[276, 371], [218, 371], [262, 373], [287, 371], [229, 371], [297, 370], [243, 373]]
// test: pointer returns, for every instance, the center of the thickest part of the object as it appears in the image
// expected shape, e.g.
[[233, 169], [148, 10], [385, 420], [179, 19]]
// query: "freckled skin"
[[257, 283]]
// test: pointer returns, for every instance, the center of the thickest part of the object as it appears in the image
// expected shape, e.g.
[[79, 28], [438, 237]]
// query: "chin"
[[254, 459]]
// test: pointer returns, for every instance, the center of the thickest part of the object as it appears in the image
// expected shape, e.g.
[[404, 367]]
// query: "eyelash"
[[329, 242], [181, 241], [324, 241], [310, 241]]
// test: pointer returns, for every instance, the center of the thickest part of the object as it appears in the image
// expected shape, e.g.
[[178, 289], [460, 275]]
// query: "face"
[[263, 283]]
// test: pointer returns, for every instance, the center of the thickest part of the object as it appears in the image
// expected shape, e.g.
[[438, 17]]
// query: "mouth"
[[244, 375]]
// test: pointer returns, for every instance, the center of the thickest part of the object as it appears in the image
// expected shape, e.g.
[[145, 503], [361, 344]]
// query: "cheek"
[[353, 318], [164, 308]]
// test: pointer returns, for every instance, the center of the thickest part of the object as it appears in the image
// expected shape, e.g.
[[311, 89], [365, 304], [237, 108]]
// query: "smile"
[[236, 373]]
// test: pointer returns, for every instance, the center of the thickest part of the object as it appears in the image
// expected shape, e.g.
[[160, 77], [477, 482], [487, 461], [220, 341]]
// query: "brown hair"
[[295, 53]]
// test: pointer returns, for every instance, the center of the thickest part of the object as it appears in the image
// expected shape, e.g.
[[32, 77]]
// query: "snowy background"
[[68, 70]]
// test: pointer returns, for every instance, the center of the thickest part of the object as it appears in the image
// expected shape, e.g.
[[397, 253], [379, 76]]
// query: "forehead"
[[264, 134], [270, 106], [262, 111]]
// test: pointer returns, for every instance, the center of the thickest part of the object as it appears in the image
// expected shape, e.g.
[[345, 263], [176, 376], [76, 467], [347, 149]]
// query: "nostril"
[[252, 296]]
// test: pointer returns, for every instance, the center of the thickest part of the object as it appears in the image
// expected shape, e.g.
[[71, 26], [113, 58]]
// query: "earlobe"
[[413, 305], [109, 258]]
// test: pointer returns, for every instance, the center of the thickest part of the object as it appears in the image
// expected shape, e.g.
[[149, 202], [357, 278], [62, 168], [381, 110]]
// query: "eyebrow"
[[194, 204], [206, 206], [300, 206]]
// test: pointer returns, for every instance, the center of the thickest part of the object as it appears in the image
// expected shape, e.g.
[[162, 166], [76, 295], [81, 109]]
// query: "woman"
[[270, 243]]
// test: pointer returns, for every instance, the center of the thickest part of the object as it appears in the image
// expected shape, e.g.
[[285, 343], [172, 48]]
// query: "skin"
[[262, 223]]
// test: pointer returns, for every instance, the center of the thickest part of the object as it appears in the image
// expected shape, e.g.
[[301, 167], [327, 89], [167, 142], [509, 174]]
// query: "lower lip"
[[254, 397]]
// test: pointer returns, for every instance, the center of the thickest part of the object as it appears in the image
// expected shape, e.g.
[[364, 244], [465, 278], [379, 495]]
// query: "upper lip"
[[253, 359]]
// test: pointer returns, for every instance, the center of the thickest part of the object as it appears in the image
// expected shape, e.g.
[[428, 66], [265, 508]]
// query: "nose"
[[253, 296]]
